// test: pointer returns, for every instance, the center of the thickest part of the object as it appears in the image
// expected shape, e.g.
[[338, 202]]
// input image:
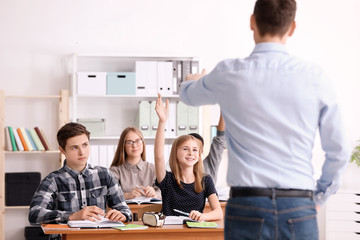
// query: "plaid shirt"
[[66, 191]]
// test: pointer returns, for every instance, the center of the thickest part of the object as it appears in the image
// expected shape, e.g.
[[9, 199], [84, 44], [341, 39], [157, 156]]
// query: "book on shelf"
[[102, 223], [144, 200], [8, 146], [46, 140], [17, 140], [132, 226], [36, 140], [41, 137], [26, 138], [22, 139], [31, 140], [12, 137]]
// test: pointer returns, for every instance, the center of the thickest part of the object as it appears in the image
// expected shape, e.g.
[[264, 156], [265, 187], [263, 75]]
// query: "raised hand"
[[161, 109]]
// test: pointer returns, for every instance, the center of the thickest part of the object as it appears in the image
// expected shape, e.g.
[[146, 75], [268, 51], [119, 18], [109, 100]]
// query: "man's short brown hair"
[[70, 130], [274, 17]]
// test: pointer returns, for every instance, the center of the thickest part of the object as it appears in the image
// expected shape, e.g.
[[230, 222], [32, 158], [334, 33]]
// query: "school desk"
[[166, 232], [135, 208]]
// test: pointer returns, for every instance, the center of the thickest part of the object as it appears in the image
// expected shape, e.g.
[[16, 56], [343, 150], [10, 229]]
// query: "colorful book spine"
[[12, 137], [22, 139], [38, 132], [31, 140], [36, 140], [17, 140], [8, 146], [46, 140], [26, 138]]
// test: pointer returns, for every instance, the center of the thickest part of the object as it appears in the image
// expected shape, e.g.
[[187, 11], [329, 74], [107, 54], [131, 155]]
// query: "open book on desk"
[[169, 220], [145, 200], [102, 223]]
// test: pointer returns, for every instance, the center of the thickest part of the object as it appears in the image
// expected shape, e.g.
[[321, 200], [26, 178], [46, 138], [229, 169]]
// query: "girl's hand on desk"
[[150, 192], [115, 215], [87, 213], [137, 191], [196, 215]]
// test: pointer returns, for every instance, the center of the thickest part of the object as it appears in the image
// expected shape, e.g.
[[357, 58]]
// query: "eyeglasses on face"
[[131, 143]]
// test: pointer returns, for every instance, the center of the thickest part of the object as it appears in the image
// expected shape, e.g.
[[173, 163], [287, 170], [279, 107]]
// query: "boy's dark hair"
[[70, 130], [198, 137], [274, 17]]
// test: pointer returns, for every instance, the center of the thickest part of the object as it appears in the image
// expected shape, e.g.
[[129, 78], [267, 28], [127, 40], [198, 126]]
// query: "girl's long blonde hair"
[[174, 163], [120, 154]]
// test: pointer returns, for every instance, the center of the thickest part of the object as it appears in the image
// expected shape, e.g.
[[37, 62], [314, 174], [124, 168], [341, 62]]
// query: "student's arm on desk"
[[216, 212]]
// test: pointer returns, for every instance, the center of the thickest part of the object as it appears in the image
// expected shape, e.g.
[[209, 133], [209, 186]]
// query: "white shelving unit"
[[24, 158], [119, 111]]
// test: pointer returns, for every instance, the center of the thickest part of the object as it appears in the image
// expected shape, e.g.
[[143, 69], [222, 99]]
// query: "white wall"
[[37, 35]]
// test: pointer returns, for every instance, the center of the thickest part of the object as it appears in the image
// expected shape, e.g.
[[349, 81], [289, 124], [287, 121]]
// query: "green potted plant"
[[355, 156]]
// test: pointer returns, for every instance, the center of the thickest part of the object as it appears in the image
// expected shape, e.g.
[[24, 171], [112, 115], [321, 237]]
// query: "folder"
[[176, 76], [186, 69], [103, 155], [143, 119], [154, 119], [181, 118], [27, 140], [193, 119], [164, 76], [194, 67], [146, 78], [171, 123], [8, 146], [110, 155], [31, 140], [94, 155], [150, 153]]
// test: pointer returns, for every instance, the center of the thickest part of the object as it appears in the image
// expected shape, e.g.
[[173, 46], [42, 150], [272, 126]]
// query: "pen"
[[184, 213]]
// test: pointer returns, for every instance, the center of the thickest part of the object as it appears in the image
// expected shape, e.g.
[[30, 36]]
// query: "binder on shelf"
[[18, 141], [103, 155], [36, 140], [186, 69], [27, 140], [8, 146], [12, 137], [143, 119], [91, 83], [177, 70], [120, 83], [31, 140], [154, 119], [164, 76], [94, 155], [22, 139], [171, 123], [193, 119], [41, 137], [194, 67], [181, 118], [146, 78]]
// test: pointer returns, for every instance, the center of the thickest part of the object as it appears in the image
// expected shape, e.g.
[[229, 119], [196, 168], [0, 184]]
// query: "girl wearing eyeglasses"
[[136, 176]]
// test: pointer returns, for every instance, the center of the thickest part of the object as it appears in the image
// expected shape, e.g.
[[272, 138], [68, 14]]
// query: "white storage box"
[[91, 83], [96, 126]]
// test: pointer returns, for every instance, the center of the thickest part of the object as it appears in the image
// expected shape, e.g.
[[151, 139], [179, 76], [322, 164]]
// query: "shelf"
[[125, 96], [32, 152]]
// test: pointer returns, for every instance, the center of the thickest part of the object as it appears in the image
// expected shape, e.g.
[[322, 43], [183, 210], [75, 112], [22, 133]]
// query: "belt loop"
[[273, 193]]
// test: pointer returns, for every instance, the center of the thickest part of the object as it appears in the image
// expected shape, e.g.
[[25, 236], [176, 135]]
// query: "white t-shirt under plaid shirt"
[[66, 191]]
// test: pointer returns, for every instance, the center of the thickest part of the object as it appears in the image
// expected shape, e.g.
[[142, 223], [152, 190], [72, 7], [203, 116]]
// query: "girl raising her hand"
[[185, 188]]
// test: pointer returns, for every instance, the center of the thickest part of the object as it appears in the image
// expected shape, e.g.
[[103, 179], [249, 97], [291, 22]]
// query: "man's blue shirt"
[[273, 105]]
